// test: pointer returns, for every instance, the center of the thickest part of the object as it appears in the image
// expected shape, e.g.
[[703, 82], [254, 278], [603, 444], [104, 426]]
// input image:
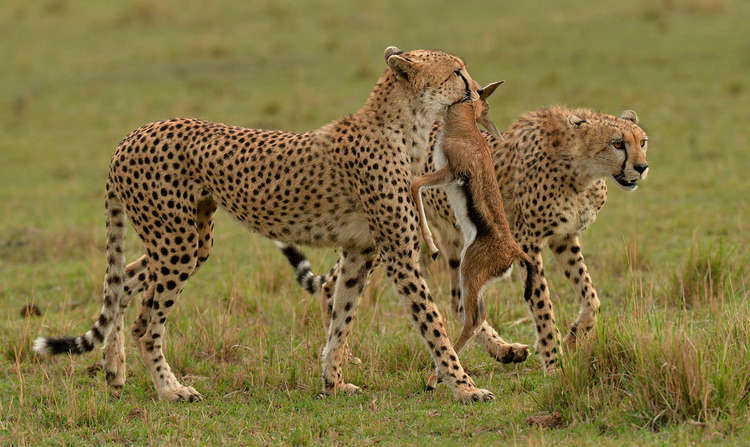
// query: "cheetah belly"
[[305, 222]]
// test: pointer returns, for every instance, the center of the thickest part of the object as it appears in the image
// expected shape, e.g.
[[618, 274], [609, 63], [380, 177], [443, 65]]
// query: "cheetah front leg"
[[568, 253], [424, 314], [540, 305]]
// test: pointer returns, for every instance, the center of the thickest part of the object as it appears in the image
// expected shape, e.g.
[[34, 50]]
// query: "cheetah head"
[[614, 146], [434, 78]]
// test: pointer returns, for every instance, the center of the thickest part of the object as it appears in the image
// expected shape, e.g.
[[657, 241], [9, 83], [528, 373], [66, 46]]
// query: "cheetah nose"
[[640, 168]]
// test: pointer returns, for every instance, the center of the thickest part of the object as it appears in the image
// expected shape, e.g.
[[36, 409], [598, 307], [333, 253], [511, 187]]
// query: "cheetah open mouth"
[[625, 184]]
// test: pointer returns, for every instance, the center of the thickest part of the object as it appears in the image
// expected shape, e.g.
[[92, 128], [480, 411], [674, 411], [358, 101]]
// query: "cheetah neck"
[[573, 178], [405, 121], [530, 160]]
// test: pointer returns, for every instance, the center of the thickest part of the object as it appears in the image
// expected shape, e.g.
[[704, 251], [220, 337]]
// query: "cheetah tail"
[[113, 290], [305, 276], [530, 272]]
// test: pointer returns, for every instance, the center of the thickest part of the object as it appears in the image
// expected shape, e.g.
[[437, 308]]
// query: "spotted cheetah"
[[345, 184], [551, 167]]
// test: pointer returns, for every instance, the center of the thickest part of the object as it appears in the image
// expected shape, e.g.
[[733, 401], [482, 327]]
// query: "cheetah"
[[551, 166], [344, 185]]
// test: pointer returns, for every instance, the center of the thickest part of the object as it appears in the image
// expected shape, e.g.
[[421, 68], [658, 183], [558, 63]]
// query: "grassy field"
[[670, 360]]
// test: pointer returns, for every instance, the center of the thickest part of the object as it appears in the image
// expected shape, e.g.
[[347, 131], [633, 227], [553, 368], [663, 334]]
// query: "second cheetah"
[[551, 166]]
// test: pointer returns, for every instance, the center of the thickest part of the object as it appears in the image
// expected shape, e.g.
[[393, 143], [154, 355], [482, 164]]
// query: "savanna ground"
[[670, 360]]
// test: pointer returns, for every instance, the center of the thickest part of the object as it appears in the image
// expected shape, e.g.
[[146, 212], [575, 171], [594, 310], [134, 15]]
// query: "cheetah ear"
[[391, 51], [401, 66], [630, 115], [488, 89], [575, 121]]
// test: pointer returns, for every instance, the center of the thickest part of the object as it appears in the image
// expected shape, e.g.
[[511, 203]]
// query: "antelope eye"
[[643, 143], [619, 144]]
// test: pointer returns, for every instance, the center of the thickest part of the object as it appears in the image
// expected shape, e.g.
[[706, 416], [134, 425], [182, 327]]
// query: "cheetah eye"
[[619, 144], [455, 72]]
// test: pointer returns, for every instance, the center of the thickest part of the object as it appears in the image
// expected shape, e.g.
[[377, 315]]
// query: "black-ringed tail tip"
[[302, 269], [65, 345]]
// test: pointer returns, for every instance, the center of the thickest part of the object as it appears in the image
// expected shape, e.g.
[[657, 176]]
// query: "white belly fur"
[[458, 202]]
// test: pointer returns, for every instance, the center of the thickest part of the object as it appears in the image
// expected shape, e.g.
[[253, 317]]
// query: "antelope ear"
[[390, 51], [488, 89], [630, 115], [575, 121], [402, 67]]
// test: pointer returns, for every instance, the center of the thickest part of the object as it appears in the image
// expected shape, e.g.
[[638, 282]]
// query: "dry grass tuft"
[[656, 370], [706, 276], [550, 420]]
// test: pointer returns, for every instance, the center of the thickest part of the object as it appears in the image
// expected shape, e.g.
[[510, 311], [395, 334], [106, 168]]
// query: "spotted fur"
[[345, 184]]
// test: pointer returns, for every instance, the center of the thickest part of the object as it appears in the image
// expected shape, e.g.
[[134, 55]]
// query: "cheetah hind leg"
[[113, 354], [355, 266], [326, 305], [136, 281]]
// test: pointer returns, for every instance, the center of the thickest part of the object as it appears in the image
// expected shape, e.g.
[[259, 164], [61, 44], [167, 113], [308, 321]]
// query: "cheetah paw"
[[569, 342], [115, 379], [346, 388], [351, 359], [509, 353], [467, 394], [180, 394]]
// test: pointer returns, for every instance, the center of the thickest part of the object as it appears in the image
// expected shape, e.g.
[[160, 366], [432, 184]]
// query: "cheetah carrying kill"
[[345, 184]]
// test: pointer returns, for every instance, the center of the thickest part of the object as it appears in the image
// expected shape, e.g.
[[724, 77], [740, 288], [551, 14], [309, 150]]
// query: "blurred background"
[[77, 76]]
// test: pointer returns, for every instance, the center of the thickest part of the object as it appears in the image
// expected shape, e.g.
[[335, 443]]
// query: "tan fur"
[[489, 252], [480, 111], [345, 185]]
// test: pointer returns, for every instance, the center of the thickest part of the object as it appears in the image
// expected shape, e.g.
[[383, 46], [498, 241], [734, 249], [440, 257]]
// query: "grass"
[[667, 365], [664, 364]]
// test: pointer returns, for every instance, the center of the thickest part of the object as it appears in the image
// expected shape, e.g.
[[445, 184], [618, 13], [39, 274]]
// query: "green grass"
[[668, 363]]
